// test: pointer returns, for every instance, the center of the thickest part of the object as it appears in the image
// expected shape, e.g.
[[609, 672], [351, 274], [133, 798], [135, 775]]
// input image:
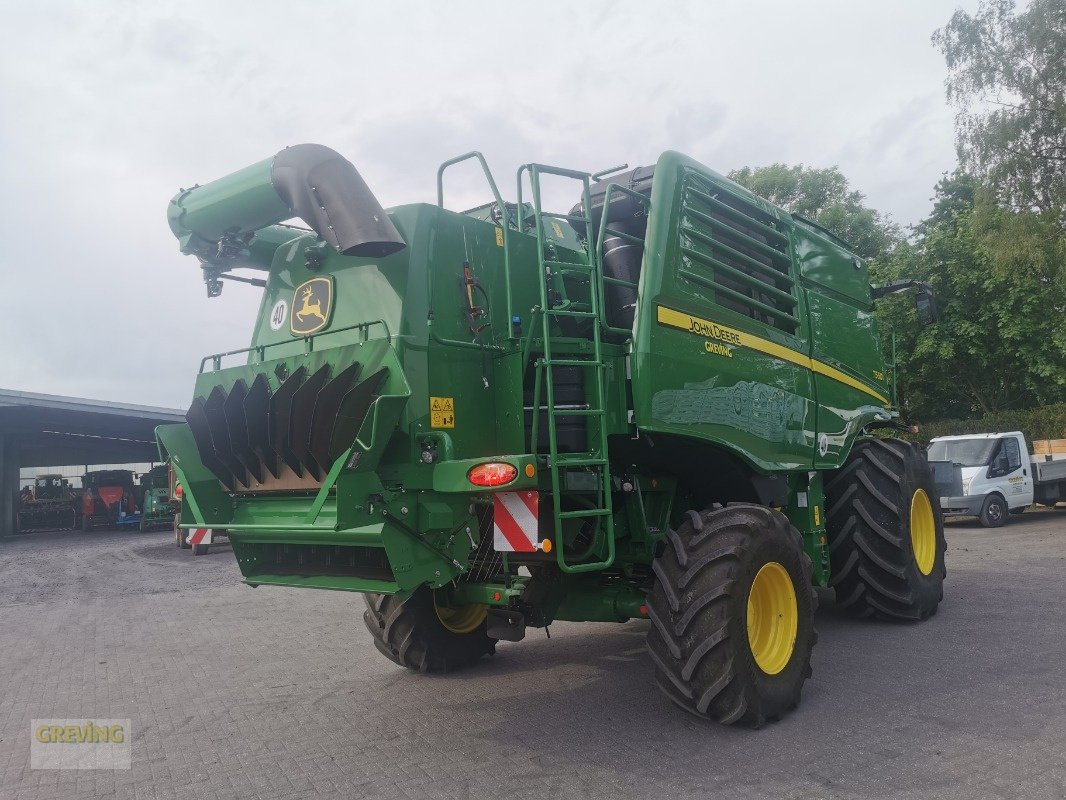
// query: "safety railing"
[[308, 343]]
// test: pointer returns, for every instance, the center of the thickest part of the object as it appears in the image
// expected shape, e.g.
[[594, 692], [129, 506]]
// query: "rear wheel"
[[732, 613], [994, 511], [886, 533], [424, 633], [200, 549], [86, 523]]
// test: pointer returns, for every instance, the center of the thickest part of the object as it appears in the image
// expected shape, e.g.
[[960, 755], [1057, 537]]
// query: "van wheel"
[[994, 512]]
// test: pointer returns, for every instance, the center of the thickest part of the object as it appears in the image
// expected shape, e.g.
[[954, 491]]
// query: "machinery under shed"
[[42, 430]]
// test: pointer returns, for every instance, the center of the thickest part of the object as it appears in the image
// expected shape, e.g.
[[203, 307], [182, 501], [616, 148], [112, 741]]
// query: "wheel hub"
[[460, 619], [923, 532], [773, 618]]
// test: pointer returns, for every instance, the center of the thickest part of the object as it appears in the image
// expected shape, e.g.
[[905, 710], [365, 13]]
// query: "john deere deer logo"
[[311, 305]]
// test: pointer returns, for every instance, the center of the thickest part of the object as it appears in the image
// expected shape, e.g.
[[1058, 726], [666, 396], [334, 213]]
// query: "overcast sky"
[[107, 107]]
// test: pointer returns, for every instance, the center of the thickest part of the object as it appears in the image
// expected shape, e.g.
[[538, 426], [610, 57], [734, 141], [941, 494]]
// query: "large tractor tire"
[[732, 613], [886, 532], [421, 635]]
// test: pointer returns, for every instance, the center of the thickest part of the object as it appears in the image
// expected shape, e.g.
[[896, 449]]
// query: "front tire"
[[886, 532], [994, 512], [732, 613], [420, 635]]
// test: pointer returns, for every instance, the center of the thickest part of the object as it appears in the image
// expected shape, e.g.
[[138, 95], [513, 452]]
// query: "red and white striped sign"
[[200, 536], [514, 522]]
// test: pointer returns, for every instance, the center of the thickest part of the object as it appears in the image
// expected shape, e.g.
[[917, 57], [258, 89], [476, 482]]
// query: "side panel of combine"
[[845, 351], [722, 338]]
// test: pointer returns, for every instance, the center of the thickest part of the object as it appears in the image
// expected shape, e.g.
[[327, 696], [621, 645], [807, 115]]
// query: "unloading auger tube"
[[230, 222]]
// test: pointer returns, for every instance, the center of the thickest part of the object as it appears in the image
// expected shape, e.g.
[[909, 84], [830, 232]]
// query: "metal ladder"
[[595, 461]]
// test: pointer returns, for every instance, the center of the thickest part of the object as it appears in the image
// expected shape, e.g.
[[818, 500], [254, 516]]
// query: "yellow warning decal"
[[734, 338], [499, 237], [558, 230], [442, 412]]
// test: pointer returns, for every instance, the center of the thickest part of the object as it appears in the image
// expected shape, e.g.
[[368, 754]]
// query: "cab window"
[[1013, 454]]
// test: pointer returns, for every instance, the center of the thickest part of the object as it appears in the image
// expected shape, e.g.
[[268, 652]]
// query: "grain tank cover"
[[326, 191]]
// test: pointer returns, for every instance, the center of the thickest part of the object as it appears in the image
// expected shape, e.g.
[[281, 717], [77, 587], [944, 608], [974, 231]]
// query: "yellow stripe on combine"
[[736, 338]]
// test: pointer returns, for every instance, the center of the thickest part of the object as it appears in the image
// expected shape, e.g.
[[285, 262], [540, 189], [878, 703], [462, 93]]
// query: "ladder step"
[[567, 217], [578, 412], [580, 461], [619, 282], [562, 312], [628, 237], [567, 265], [571, 362], [590, 512]]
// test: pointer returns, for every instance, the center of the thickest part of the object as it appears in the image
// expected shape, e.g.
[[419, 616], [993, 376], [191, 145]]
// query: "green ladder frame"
[[596, 460]]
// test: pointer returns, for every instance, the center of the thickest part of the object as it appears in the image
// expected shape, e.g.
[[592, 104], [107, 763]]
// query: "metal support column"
[[9, 479]]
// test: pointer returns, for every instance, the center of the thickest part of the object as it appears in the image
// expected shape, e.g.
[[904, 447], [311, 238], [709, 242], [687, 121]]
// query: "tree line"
[[994, 245]]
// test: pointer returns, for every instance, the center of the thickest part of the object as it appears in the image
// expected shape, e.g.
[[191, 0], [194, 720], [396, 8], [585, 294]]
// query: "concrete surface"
[[235, 692]]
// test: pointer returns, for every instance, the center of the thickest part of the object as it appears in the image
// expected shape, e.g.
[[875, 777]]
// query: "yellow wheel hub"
[[773, 618], [460, 619], [923, 532]]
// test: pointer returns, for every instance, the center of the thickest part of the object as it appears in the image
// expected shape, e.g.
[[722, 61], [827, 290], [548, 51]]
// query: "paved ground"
[[235, 692]]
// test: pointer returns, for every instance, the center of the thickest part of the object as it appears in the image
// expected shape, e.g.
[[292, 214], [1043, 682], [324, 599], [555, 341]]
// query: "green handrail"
[[504, 220]]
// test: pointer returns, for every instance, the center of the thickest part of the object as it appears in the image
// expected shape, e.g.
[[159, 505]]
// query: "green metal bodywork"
[[782, 397]]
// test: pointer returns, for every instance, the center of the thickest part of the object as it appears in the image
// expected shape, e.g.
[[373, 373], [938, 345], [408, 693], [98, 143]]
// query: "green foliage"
[[1007, 77], [1046, 422], [824, 196], [1001, 341]]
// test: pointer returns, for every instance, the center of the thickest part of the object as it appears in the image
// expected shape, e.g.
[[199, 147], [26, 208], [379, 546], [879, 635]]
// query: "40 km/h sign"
[[442, 412]]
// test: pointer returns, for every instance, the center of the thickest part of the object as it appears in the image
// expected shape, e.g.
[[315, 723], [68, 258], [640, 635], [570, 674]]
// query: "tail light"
[[492, 473]]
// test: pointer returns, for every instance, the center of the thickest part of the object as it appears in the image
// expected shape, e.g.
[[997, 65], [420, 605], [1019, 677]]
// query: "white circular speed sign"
[[278, 315]]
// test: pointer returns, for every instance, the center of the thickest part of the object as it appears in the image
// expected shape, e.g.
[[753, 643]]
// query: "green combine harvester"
[[659, 404]]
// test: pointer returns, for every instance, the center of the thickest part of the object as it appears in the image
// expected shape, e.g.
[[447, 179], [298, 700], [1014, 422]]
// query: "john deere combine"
[[658, 404]]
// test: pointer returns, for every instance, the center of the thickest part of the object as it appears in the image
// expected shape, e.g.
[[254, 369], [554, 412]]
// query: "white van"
[[991, 475]]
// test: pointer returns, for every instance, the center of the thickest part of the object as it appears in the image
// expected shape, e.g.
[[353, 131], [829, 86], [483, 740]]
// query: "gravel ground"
[[235, 692]]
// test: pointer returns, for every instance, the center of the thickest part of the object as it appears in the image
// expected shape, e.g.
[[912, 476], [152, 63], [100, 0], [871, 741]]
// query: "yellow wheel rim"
[[461, 619], [773, 618], [923, 532]]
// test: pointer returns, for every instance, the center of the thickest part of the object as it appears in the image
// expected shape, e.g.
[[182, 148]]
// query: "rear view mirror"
[[927, 310], [925, 298]]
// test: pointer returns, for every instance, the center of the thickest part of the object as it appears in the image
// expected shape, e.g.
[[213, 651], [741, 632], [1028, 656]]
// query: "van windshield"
[[965, 452]]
